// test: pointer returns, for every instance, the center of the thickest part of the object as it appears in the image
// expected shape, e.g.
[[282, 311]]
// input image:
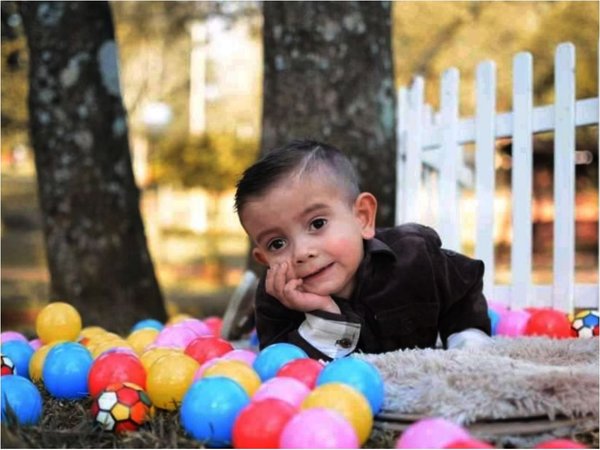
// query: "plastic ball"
[[58, 321], [584, 324], [150, 355], [560, 443], [245, 356], [211, 362], [287, 389], [21, 397], [91, 331], [305, 370], [275, 356], [176, 336], [36, 363], [20, 353], [359, 374], [204, 348], [253, 339], [548, 322], [244, 375], [512, 323], [147, 323], [215, 324], [347, 401], [115, 367], [431, 433], [169, 378], [178, 318], [468, 443], [66, 370], [259, 424], [197, 325], [110, 346], [494, 320], [142, 338], [318, 428], [121, 407], [209, 409], [35, 343], [7, 336], [8, 367]]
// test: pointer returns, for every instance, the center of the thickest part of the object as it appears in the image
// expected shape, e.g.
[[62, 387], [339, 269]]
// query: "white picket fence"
[[431, 171]]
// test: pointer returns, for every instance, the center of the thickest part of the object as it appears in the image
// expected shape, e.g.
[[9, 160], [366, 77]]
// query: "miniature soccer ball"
[[584, 324], [8, 367], [121, 407]]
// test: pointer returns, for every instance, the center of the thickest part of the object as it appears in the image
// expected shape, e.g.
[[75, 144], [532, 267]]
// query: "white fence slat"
[[449, 224], [586, 295], [401, 133], [485, 171], [412, 168], [522, 168], [564, 178]]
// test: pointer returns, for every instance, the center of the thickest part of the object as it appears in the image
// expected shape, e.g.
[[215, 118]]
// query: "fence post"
[[414, 147], [402, 136], [564, 179], [485, 171]]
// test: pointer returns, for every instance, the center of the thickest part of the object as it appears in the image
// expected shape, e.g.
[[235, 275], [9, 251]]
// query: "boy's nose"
[[304, 254]]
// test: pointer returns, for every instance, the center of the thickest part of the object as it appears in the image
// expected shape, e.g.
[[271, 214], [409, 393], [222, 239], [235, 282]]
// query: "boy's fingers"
[[279, 279]]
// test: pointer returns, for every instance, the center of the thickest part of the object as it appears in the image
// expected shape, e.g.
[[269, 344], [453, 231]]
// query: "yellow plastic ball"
[[58, 321], [148, 357], [348, 402], [237, 371], [36, 363], [169, 379], [140, 339], [89, 332], [109, 345]]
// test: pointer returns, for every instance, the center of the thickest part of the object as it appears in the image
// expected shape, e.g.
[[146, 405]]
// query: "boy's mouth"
[[316, 274]]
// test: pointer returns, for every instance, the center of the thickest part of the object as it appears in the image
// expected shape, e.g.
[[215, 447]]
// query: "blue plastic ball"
[[494, 319], [272, 358], [147, 323], [65, 371], [19, 352], [209, 409], [21, 397], [358, 374], [253, 339]]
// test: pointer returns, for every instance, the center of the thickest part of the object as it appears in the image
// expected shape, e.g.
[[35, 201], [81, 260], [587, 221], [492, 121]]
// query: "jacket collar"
[[375, 246]]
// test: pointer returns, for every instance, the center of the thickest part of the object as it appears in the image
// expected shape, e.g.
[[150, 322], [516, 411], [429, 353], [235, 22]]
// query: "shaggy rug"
[[515, 378]]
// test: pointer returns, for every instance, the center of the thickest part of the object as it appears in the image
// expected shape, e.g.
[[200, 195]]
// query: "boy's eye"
[[276, 244], [318, 223]]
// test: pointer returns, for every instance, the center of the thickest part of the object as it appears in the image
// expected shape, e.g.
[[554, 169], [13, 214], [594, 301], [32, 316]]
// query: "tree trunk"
[[329, 75], [95, 241]]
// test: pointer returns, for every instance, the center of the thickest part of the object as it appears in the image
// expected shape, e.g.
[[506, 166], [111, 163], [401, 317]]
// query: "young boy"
[[334, 283]]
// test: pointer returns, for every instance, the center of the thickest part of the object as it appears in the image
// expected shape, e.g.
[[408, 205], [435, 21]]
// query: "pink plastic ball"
[[284, 388], [175, 336], [35, 343], [500, 308], [245, 356], [204, 366], [215, 324], [197, 325], [7, 336], [512, 323], [431, 433], [318, 428]]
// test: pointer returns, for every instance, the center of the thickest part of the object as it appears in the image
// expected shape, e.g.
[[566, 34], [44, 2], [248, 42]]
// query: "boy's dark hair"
[[296, 156]]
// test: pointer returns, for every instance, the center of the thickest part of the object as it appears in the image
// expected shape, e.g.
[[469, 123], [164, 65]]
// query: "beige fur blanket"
[[513, 378]]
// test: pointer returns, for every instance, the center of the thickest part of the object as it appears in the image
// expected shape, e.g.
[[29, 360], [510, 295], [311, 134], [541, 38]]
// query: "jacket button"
[[344, 343]]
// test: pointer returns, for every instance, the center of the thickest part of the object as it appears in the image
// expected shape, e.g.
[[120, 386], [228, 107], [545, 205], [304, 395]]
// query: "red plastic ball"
[[260, 424], [560, 443], [548, 322], [305, 370], [115, 367], [215, 324], [468, 443], [205, 348]]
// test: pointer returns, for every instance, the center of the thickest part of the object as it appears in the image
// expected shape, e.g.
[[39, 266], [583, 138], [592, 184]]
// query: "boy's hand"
[[281, 284]]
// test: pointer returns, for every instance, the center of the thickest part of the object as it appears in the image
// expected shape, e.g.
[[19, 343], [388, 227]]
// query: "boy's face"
[[308, 222]]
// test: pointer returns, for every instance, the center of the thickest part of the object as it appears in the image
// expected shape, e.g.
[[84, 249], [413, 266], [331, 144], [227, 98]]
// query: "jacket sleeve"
[[320, 334], [459, 282]]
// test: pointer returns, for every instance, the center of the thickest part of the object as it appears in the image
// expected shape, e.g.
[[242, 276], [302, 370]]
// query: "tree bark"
[[329, 75], [95, 241]]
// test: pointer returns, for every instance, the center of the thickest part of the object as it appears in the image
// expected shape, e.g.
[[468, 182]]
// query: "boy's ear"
[[259, 257], [365, 210]]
